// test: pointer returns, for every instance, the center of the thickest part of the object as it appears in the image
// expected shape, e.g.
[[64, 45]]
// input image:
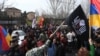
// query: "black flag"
[[78, 22]]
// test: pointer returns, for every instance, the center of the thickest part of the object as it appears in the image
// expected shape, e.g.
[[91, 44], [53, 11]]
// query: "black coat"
[[61, 50], [97, 51], [14, 51]]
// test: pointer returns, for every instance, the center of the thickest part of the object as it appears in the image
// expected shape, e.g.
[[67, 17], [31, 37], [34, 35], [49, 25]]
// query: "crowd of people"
[[40, 41]]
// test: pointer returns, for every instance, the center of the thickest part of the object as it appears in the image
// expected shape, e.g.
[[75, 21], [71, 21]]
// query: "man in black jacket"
[[14, 47]]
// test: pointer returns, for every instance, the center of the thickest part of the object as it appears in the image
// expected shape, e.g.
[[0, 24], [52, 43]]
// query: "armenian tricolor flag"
[[4, 40], [94, 13]]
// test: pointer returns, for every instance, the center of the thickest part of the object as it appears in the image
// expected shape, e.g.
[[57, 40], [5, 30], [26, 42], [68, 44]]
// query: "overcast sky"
[[31, 5], [28, 5]]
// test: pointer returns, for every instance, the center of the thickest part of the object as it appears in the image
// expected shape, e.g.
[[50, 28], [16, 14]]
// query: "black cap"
[[14, 39], [97, 40]]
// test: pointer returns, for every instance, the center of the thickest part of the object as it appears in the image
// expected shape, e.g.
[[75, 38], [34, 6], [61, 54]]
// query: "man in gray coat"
[[37, 51]]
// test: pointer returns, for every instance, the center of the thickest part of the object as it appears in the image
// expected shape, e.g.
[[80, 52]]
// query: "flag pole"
[[89, 31], [57, 29], [89, 22]]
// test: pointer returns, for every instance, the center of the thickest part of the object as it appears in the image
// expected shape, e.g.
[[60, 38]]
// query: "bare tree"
[[61, 8], [67, 7], [54, 5], [2, 5], [86, 7]]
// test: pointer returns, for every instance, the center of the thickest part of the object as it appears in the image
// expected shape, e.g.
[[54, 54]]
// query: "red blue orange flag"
[[40, 21], [94, 13], [4, 40]]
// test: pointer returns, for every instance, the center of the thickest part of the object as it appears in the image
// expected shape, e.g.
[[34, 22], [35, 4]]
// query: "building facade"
[[12, 16], [13, 12], [30, 15]]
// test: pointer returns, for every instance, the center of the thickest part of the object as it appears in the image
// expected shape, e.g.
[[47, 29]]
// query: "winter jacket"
[[38, 51]]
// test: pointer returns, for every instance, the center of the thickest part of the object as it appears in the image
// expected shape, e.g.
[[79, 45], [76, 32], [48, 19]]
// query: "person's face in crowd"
[[50, 25], [46, 32], [54, 40], [57, 33], [61, 37], [27, 34], [41, 26], [83, 52], [97, 44], [30, 33], [14, 43], [97, 34]]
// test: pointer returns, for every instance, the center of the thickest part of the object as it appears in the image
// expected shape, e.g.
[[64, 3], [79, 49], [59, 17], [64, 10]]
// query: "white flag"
[[33, 23]]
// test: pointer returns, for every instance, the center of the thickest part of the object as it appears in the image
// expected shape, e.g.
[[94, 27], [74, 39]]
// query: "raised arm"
[[92, 48]]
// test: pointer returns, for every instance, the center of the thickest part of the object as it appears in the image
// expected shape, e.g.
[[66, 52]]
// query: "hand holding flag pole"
[[56, 30], [78, 22]]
